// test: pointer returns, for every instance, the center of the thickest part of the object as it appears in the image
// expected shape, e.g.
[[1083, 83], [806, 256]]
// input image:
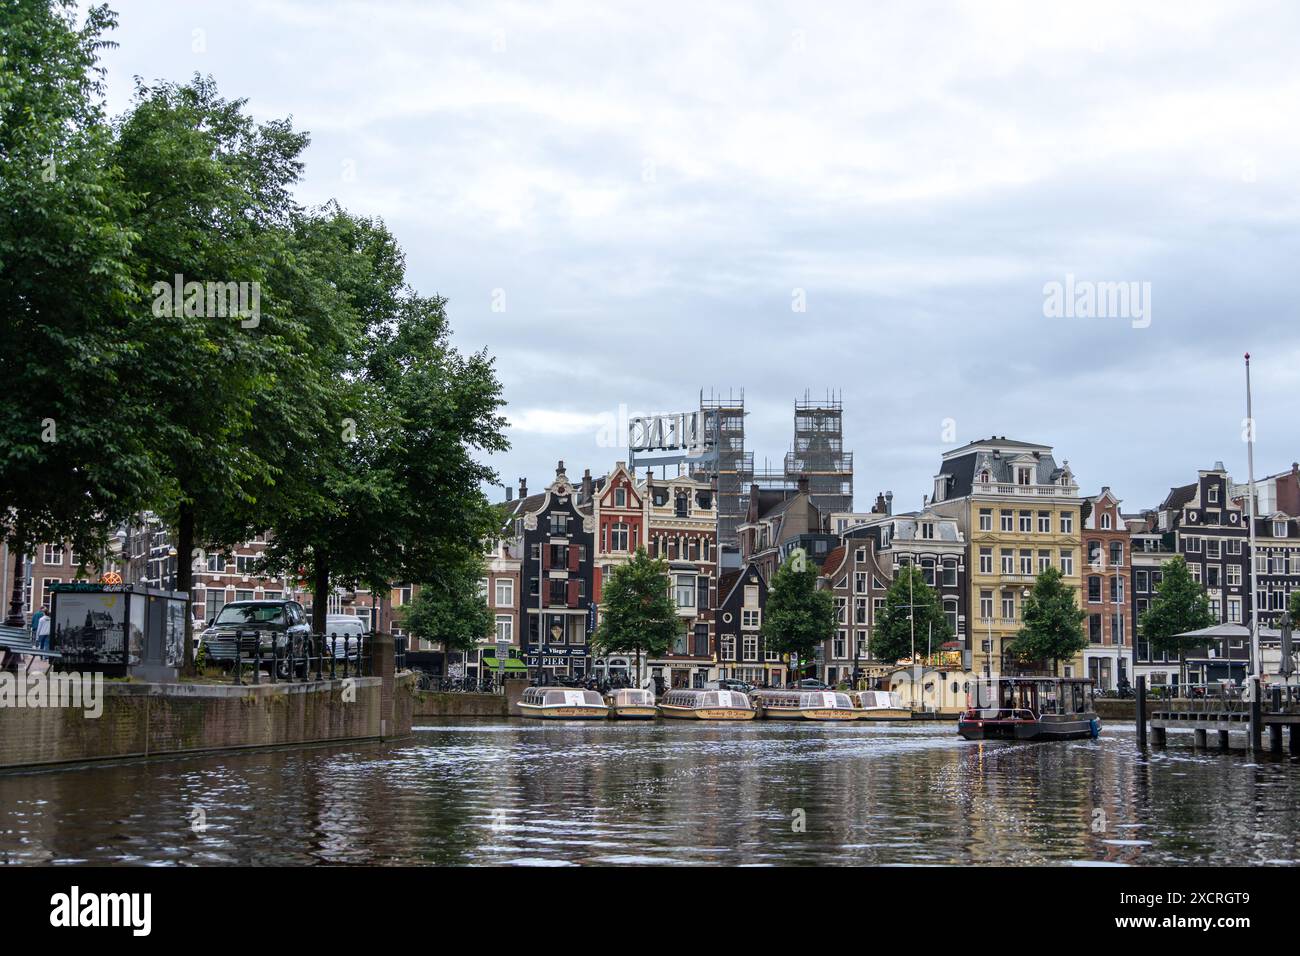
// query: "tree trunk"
[[185, 575], [15, 618], [320, 591], [638, 667], [1182, 671]]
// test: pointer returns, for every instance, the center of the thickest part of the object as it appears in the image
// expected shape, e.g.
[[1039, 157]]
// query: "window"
[[682, 506], [1044, 561], [216, 563], [950, 574], [986, 604], [1105, 521], [1006, 520], [1196, 572], [244, 564], [841, 610], [1094, 589], [1193, 545], [927, 529], [1116, 590], [1008, 606], [751, 647], [860, 611], [1094, 555], [559, 525], [1234, 575], [950, 612], [505, 628], [618, 537], [216, 600], [1279, 529], [751, 595], [1067, 562], [1026, 561], [1213, 548], [927, 571], [1212, 575], [505, 592], [860, 582], [840, 646], [986, 560], [1140, 582], [1026, 522], [483, 588], [751, 618], [1094, 628], [1008, 561], [1044, 522], [53, 554], [1116, 554], [620, 497], [986, 519], [685, 590], [1234, 610], [728, 647], [1067, 522]]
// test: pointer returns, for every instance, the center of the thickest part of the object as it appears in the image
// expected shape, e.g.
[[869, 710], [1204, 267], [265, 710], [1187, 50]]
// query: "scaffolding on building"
[[734, 469], [818, 453]]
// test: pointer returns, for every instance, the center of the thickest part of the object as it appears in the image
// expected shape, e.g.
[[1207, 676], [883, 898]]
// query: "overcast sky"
[[626, 203]]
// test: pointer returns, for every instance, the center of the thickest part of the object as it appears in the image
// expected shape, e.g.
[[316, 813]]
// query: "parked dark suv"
[[281, 626]]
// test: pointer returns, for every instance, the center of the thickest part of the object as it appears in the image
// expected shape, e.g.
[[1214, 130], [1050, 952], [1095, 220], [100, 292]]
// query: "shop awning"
[[512, 663]]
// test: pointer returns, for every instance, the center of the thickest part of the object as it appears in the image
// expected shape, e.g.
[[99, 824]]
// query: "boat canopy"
[[880, 700], [712, 699], [1039, 695], [634, 697], [562, 697]]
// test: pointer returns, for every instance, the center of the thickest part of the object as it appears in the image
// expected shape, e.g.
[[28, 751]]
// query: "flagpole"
[[1257, 668]]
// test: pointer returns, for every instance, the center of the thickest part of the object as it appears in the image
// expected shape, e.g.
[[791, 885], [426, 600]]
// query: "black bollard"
[[1256, 718], [239, 659], [334, 651], [1142, 710]]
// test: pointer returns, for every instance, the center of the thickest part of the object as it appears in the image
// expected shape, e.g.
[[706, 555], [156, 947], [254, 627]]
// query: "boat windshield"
[[572, 698], [825, 700], [724, 699], [634, 697]]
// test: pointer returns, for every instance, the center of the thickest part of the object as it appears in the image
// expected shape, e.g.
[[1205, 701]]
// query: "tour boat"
[[879, 705], [694, 704], [805, 705], [563, 703], [629, 703], [1030, 708]]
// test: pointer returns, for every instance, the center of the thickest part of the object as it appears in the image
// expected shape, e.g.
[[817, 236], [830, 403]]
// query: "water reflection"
[[611, 793]]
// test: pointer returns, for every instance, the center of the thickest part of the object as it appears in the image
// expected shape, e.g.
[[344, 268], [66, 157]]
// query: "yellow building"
[[1021, 514]]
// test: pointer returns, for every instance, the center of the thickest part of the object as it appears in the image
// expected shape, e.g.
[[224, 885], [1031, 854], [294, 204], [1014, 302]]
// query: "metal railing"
[[321, 658], [460, 685], [1225, 699]]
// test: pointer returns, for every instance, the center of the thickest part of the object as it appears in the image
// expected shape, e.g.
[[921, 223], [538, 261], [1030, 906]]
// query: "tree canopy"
[[798, 616], [909, 601], [1180, 605], [637, 614], [1053, 623]]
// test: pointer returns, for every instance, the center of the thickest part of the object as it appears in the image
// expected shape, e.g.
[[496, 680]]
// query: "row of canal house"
[[1001, 512], [566, 542]]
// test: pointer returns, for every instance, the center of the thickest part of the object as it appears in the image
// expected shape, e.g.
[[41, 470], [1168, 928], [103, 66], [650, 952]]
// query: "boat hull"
[[704, 713], [812, 713], [1075, 727], [884, 713], [564, 712], [633, 713]]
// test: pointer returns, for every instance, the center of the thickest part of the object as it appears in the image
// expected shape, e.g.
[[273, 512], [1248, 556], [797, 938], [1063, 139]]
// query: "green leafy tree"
[[403, 492], [797, 617], [74, 462], [1295, 607], [449, 609], [236, 378], [637, 614], [1180, 605], [912, 611], [1053, 623]]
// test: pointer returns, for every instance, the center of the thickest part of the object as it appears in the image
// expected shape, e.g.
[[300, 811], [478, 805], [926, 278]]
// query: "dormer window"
[[1105, 521], [927, 529], [620, 498], [1279, 529], [1214, 494], [1024, 475], [985, 477]]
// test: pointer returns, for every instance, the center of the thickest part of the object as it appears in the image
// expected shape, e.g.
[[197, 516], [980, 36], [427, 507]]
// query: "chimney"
[[889, 502], [586, 485], [879, 507], [559, 470], [523, 488]]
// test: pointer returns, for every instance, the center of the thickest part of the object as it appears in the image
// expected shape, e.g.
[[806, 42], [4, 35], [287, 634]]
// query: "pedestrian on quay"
[[42, 632], [36, 619]]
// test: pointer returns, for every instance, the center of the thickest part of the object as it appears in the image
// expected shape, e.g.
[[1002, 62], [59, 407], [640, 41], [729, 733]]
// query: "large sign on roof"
[[672, 438]]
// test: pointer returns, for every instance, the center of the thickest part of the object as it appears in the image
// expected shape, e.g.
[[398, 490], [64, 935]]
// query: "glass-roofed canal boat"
[[563, 703], [631, 703], [695, 704], [805, 705]]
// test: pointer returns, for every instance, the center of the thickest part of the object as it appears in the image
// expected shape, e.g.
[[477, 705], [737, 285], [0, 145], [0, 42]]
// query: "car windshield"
[[251, 614]]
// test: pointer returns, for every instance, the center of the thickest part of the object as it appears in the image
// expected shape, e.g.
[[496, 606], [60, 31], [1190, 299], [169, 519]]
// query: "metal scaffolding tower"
[[818, 453], [734, 468]]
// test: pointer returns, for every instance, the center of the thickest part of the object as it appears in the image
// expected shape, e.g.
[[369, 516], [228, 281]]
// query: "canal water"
[[541, 793]]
